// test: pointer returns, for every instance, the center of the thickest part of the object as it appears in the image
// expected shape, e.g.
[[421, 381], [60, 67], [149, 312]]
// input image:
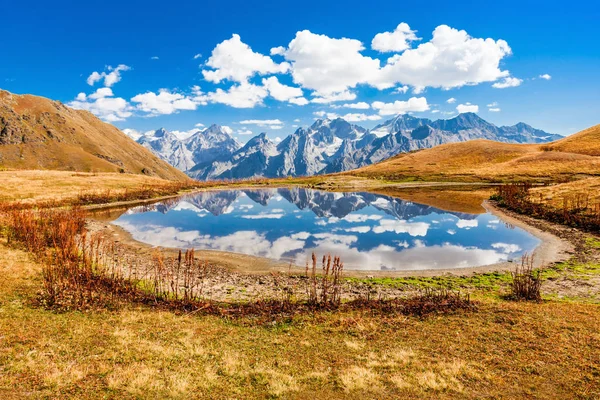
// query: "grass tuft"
[[526, 282]]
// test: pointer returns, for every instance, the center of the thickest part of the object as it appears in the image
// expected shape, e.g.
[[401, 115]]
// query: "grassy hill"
[[584, 142], [482, 160], [38, 133]]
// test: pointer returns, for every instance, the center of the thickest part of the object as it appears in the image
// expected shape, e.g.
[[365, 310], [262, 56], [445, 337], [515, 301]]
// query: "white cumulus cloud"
[[414, 104], [283, 92], [357, 117], [396, 41], [110, 76], [508, 82], [328, 115], [333, 97], [103, 104], [244, 95], [467, 107], [358, 106], [165, 102], [261, 122], [328, 65], [451, 59], [234, 60]]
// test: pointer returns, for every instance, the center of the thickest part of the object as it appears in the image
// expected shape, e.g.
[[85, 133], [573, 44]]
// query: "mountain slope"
[[38, 133], [576, 155], [168, 147], [253, 159], [210, 144], [584, 142]]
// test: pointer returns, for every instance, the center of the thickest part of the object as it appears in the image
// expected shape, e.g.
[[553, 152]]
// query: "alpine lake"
[[370, 232]]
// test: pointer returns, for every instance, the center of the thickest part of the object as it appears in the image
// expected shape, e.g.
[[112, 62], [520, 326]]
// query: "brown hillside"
[[572, 157], [38, 133], [584, 142]]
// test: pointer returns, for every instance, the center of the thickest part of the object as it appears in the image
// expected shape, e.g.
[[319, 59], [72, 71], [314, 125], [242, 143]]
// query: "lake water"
[[368, 231]]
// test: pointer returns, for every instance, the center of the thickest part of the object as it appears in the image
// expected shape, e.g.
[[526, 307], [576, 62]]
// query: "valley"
[[408, 229], [299, 200]]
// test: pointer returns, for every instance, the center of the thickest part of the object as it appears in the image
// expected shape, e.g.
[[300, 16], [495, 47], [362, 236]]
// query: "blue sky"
[[169, 64]]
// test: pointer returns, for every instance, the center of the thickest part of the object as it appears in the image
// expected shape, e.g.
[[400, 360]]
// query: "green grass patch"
[[486, 281], [592, 242]]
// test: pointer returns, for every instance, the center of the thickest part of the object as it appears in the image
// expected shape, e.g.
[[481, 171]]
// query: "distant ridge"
[[327, 146]]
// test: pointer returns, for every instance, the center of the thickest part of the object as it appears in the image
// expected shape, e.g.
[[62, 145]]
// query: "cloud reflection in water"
[[369, 232]]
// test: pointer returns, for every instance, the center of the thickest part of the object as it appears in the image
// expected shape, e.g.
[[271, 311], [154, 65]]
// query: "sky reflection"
[[368, 231]]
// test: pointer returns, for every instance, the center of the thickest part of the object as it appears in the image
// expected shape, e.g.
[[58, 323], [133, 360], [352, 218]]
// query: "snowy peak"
[[401, 123], [217, 132], [202, 146], [212, 135], [160, 133], [339, 127], [461, 122], [524, 133], [260, 138], [260, 143]]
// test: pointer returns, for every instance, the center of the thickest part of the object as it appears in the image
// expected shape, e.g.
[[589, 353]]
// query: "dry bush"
[[180, 279], [526, 282], [325, 290], [38, 230], [92, 277], [577, 209], [78, 270]]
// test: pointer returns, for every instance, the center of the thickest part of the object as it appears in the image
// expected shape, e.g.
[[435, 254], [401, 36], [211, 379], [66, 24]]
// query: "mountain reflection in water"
[[368, 231]]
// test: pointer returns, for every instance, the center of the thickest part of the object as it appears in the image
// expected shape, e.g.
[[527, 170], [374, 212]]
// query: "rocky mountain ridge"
[[327, 146]]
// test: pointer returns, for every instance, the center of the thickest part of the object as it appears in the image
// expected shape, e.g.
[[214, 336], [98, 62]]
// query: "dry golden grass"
[[511, 350], [450, 160], [484, 160], [556, 194], [584, 142], [36, 185], [44, 134]]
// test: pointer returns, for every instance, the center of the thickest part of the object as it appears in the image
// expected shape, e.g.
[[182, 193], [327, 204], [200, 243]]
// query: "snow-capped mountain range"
[[203, 146], [325, 147]]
